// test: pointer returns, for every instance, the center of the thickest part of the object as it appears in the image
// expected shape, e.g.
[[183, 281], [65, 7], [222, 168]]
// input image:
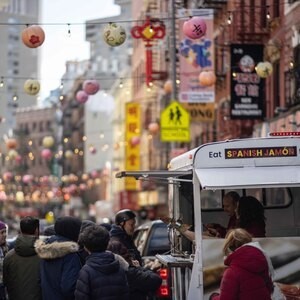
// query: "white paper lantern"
[[114, 34]]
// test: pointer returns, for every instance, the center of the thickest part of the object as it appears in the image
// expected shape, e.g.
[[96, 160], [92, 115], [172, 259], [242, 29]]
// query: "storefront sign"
[[200, 112]]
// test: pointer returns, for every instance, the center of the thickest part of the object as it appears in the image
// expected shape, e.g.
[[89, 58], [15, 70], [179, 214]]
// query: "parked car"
[[152, 238]]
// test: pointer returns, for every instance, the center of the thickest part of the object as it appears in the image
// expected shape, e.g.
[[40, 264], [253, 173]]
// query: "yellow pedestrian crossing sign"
[[175, 124]]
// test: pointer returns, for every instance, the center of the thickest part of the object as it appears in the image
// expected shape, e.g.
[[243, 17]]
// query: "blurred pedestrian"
[[60, 263], [123, 231], [21, 267], [49, 230], [3, 252], [142, 282], [102, 277]]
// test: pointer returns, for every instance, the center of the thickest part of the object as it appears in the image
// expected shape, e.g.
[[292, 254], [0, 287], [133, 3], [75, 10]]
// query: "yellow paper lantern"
[[68, 154], [48, 141], [31, 87], [12, 154], [264, 69]]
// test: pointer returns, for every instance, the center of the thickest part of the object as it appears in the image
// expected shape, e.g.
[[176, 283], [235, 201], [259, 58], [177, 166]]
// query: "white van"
[[267, 168]]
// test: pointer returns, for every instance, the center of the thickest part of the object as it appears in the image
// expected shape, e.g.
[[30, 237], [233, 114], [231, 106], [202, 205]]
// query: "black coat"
[[118, 234], [102, 278], [142, 282]]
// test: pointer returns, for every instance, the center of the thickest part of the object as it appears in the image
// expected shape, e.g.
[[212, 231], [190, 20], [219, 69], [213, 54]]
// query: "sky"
[[58, 46]]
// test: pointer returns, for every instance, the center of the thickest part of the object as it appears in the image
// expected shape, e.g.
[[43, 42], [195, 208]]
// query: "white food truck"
[[267, 168]]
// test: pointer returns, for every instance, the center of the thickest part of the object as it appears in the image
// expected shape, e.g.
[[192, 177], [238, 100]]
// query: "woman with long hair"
[[250, 216]]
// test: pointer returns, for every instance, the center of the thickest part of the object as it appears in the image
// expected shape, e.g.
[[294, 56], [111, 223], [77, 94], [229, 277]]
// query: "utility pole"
[[173, 54]]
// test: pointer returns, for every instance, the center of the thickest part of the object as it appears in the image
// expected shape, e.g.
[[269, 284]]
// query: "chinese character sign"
[[133, 129], [196, 55], [247, 88]]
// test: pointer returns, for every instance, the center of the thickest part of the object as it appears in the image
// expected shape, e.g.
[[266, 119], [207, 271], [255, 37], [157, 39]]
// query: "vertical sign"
[[196, 56], [133, 129], [247, 88]]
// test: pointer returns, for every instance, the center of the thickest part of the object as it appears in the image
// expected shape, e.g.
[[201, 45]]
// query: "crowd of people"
[[78, 260]]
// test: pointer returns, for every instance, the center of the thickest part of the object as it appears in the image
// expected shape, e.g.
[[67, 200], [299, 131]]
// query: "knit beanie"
[[2, 225], [68, 227]]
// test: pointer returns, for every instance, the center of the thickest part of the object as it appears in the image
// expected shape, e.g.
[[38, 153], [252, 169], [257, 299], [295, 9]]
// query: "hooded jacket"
[[118, 234], [21, 270], [102, 278], [247, 276], [60, 267]]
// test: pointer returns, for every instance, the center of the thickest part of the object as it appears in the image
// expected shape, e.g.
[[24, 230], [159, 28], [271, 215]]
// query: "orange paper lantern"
[[33, 36], [168, 87], [207, 78], [11, 144], [153, 128]]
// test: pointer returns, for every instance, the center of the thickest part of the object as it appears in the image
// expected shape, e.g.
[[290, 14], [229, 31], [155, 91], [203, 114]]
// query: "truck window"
[[160, 244]]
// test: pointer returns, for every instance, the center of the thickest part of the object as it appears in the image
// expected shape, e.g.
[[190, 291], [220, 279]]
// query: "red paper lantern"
[[207, 78], [11, 143], [194, 28], [33, 36], [46, 154], [82, 96], [153, 128], [7, 176], [168, 87], [91, 87]]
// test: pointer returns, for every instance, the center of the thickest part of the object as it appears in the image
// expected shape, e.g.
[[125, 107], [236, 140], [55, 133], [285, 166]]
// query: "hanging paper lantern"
[[82, 96], [114, 34], [168, 87], [92, 149], [7, 176], [33, 36], [27, 178], [264, 69], [153, 128], [68, 154], [91, 87], [194, 28], [135, 140], [82, 186], [11, 143], [207, 78], [48, 141], [20, 196], [84, 176], [46, 154], [94, 174], [18, 159], [31, 87], [12, 154]]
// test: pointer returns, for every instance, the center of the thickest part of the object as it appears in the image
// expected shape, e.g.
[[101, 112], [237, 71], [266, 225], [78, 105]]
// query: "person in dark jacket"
[[123, 231], [248, 275], [4, 247], [102, 277], [142, 282], [60, 263], [21, 266]]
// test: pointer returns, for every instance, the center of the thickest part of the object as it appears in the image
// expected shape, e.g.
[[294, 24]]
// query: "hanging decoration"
[[168, 87], [7, 176], [207, 78], [68, 154], [31, 87], [82, 96], [114, 34], [92, 150], [135, 140], [33, 36], [153, 128], [264, 69], [27, 178], [46, 154], [18, 159], [150, 31], [91, 87], [48, 141], [12, 154], [194, 28], [11, 143]]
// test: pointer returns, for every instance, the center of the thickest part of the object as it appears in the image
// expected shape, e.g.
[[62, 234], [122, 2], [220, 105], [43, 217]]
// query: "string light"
[[121, 84], [1, 82], [61, 85], [229, 19], [69, 30], [15, 97], [268, 16]]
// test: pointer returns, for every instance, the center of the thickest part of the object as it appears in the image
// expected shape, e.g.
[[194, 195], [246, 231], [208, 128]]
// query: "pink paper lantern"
[[194, 28], [27, 178], [82, 96], [7, 176], [135, 140], [91, 87], [93, 150], [46, 154], [94, 174], [153, 128], [18, 159]]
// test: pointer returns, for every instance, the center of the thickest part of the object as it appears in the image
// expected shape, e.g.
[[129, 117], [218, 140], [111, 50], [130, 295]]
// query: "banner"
[[194, 57], [247, 88]]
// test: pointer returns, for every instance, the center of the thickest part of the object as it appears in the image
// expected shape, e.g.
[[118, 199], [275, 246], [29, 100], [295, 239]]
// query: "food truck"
[[266, 168]]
